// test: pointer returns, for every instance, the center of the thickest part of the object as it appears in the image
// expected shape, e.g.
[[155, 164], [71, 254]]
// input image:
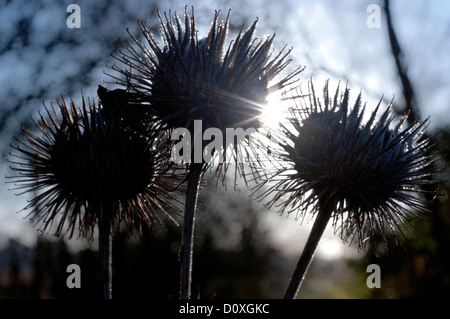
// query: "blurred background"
[[242, 250]]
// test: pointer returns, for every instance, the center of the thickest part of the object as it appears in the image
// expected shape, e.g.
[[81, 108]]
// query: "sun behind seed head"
[[371, 173], [191, 78]]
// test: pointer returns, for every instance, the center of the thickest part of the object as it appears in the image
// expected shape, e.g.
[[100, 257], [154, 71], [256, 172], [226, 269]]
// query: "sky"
[[42, 59]]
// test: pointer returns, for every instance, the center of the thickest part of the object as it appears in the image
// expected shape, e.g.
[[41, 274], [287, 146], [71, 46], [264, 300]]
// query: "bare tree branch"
[[407, 87]]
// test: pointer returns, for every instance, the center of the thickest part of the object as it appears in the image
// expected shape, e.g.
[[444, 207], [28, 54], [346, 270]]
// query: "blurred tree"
[[233, 255], [16, 286], [43, 269]]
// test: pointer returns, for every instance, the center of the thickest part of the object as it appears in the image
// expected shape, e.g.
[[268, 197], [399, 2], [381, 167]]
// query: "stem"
[[308, 252], [187, 243], [105, 251]]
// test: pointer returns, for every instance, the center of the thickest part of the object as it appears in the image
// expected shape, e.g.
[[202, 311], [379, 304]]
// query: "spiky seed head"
[[79, 161], [192, 78], [203, 79], [370, 172]]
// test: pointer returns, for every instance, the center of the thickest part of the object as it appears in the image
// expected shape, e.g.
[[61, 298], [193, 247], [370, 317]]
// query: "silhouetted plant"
[[365, 177], [111, 164], [88, 172], [202, 79]]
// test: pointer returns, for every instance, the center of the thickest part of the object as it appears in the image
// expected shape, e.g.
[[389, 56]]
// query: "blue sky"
[[46, 60]]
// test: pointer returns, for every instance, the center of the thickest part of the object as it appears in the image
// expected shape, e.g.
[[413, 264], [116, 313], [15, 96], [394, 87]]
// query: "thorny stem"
[[307, 255], [187, 243], [105, 251]]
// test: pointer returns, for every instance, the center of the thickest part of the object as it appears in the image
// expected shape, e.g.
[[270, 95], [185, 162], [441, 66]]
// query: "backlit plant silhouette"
[[363, 176], [110, 164], [192, 79], [84, 171]]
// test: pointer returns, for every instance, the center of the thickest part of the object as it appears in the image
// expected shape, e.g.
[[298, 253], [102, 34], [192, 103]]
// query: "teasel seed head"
[[373, 173], [79, 161], [192, 78]]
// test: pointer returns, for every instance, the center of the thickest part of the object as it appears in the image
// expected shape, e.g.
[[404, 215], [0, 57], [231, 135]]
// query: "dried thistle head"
[[191, 78], [79, 162], [370, 172]]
